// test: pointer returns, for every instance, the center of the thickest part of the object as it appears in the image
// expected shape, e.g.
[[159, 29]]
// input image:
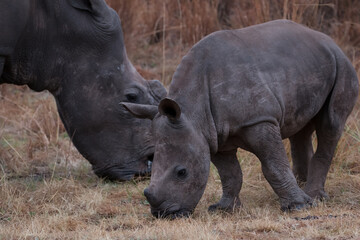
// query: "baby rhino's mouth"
[[171, 214]]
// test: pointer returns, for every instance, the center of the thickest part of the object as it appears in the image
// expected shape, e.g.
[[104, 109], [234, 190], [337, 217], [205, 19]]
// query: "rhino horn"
[[141, 110]]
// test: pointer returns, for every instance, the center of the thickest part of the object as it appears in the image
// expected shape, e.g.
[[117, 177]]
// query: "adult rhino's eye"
[[181, 172], [131, 97]]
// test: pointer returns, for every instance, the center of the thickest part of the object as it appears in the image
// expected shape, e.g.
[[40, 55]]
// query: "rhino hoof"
[[298, 205], [324, 196], [319, 195], [299, 201]]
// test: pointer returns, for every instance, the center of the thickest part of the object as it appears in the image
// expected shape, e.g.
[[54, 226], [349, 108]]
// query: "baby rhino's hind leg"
[[329, 124], [328, 133], [302, 152], [264, 140], [320, 163]]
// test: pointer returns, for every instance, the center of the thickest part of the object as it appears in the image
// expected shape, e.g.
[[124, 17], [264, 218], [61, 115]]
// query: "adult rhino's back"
[[279, 71]]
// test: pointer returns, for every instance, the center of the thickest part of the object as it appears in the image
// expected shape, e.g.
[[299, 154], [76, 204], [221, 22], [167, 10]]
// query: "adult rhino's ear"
[[157, 90], [141, 110], [169, 108], [98, 8]]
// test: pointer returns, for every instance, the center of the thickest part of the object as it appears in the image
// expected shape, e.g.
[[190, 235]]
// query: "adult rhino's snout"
[[146, 169], [117, 172]]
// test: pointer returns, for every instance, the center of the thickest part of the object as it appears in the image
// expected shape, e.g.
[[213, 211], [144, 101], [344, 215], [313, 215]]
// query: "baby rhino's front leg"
[[231, 179]]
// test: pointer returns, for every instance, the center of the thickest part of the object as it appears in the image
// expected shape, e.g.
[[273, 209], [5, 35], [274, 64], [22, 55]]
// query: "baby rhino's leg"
[[302, 152], [264, 140], [231, 179]]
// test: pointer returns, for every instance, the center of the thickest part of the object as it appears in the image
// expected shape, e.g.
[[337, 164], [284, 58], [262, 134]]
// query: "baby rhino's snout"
[[150, 196]]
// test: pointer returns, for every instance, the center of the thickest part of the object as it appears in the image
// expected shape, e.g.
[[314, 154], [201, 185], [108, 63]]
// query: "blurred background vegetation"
[[171, 27]]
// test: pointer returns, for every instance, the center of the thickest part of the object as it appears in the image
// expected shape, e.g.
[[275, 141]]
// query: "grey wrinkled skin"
[[75, 50], [250, 88]]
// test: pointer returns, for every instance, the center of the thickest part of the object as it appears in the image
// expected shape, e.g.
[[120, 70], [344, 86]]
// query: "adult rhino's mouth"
[[146, 172], [117, 172]]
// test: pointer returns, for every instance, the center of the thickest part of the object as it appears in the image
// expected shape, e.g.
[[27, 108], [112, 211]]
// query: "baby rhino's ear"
[[141, 110], [170, 109]]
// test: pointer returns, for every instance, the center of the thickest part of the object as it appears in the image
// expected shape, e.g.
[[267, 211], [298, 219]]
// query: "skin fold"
[[75, 50], [250, 88]]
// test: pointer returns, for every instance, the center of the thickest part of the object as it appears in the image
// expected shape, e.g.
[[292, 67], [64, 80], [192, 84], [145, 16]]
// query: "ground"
[[49, 191]]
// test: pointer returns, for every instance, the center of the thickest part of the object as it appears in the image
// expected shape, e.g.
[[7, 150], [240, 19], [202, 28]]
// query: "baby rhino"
[[249, 88]]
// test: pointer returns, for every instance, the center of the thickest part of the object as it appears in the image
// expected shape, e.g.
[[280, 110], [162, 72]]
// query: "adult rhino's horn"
[[169, 108], [141, 110], [97, 7]]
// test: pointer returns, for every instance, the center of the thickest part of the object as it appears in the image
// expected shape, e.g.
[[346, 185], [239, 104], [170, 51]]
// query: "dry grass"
[[47, 190]]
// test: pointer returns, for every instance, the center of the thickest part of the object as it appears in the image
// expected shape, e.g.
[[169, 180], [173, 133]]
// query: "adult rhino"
[[75, 50], [250, 88]]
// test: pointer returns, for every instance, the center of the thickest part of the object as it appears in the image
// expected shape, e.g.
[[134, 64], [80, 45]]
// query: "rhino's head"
[[181, 162], [88, 72], [75, 49]]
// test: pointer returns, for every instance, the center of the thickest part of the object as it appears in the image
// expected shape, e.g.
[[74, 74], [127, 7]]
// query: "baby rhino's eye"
[[181, 172]]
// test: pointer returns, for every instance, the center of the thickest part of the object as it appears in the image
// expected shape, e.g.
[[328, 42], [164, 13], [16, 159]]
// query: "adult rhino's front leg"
[[265, 141], [231, 179]]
